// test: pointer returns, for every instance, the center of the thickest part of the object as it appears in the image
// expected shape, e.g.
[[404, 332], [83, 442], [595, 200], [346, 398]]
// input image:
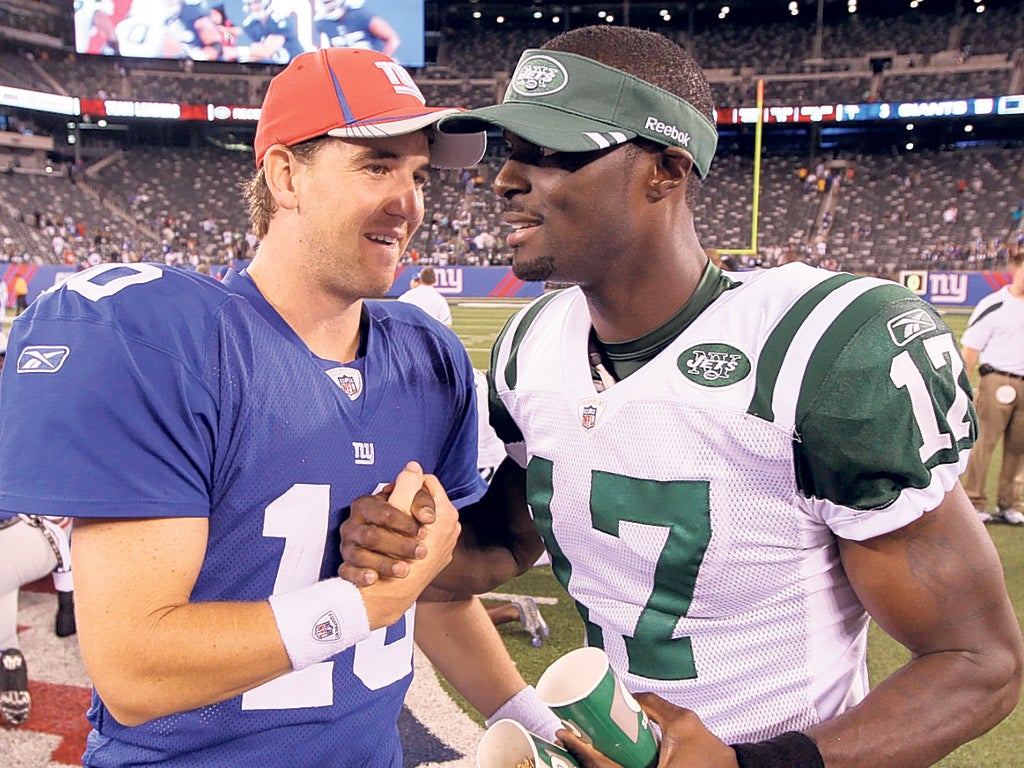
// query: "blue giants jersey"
[[351, 31], [146, 391], [259, 30]]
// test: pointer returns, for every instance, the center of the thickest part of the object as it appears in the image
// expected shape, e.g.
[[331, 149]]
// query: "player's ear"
[[672, 166], [280, 167]]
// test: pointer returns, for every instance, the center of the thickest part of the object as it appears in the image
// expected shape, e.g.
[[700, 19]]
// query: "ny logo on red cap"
[[400, 80]]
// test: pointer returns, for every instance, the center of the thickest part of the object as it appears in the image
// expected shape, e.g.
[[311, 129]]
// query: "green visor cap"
[[570, 103]]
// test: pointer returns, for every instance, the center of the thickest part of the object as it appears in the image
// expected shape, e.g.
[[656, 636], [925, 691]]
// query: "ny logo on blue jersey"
[[363, 453]]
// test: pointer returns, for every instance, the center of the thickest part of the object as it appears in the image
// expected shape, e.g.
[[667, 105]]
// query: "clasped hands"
[[396, 542], [386, 536]]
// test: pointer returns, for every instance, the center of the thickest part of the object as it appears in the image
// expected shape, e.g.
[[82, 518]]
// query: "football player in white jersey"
[[731, 473], [152, 29], [94, 26]]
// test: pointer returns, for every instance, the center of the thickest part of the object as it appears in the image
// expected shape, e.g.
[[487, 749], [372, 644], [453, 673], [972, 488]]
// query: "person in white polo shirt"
[[992, 342], [425, 295]]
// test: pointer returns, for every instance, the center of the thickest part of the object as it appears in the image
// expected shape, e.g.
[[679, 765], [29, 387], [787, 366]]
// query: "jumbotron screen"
[[257, 31]]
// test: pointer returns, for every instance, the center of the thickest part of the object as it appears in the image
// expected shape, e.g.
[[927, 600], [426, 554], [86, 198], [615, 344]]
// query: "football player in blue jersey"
[[348, 24], [272, 33], [732, 472], [208, 438]]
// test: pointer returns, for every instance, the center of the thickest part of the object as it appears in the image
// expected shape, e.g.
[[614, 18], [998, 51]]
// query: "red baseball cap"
[[355, 93]]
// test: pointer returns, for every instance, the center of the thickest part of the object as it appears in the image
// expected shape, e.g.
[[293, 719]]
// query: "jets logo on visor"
[[539, 76]]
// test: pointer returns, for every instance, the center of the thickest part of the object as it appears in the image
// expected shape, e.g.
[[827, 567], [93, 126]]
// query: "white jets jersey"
[[692, 508]]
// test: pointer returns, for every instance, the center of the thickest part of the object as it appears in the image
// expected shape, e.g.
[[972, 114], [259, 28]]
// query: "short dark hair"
[[651, 57], [643, 54]]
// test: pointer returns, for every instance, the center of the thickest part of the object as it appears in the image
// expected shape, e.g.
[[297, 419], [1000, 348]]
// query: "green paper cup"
[[584, 691], [507, 744]]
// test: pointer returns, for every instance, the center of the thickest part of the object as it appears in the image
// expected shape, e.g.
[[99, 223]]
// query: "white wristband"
[[528, 710], [320, 621], [63, 581]]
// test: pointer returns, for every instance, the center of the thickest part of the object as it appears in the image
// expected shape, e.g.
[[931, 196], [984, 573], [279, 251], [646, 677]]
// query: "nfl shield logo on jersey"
[[350, 380], [326, 629], [590, 410]]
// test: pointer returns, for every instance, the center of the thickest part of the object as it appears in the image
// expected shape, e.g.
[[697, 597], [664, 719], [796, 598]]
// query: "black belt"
[[986, 369]]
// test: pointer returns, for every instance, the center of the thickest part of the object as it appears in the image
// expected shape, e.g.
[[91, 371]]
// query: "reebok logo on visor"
[[539, 76], [674, 133]]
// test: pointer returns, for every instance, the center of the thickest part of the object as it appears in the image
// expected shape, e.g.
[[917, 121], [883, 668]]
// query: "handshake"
[[583, 690]]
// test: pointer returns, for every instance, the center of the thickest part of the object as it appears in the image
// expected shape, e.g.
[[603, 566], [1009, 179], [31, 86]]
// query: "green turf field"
[[477, 322]]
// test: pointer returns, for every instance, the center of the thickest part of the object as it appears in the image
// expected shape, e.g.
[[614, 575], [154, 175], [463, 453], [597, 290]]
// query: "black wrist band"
[[790, 750]]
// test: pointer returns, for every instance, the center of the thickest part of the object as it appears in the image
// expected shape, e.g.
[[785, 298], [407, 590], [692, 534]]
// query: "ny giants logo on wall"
[[449, 280], [937, 287]]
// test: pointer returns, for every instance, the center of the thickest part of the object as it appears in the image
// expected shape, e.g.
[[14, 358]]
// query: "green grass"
[[478, 322]]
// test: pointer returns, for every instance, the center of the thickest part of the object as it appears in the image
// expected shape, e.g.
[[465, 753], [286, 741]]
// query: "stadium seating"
[[144, 196]]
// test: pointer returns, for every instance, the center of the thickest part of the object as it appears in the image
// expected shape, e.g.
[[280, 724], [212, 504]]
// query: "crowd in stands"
[[933, 56], [862, 211]]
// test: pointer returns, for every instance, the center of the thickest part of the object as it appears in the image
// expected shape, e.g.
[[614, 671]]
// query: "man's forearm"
[[919, 714], [461, 642]]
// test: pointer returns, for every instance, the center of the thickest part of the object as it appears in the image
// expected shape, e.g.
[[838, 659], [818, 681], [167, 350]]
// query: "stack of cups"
[[507, 744], [584, 691]]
